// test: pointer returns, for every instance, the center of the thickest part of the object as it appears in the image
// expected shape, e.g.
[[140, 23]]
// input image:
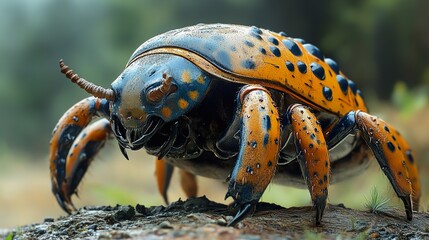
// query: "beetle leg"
[[67, 164], [392, 152], [395, 157], [312, 155], [258, 150], [163, 171], [188, 181]]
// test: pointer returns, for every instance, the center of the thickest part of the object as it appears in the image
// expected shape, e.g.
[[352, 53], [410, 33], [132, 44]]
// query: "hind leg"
[[164, 172], [391, 150], [395, 157]]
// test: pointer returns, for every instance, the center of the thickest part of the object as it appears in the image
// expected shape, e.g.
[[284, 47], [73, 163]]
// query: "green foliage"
[[409, 101], [9, 236], [376, 203]]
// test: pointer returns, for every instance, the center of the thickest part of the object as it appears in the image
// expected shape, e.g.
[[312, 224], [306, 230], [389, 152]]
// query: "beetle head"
[[150, 92]]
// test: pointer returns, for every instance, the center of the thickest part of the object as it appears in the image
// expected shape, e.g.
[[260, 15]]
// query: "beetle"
[[233, 102]]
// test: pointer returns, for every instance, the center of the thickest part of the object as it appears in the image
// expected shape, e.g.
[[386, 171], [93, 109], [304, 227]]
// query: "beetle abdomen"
[[253, 55]]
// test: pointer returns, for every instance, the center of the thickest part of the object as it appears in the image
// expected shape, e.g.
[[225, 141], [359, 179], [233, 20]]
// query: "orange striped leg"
[[163, 172], [395, 157], [73, 145], [313, 155], [258, 149]]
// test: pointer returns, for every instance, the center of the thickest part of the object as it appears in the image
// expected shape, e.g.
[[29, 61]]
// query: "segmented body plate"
[[251, 55]]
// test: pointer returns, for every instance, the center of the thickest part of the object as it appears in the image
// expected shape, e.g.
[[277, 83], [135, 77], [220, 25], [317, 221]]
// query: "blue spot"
[[262, 50], [318, 70], [290, 66], [344, 84], [249, 43], [224, 59], [333, 65], [352, 86], [256, 32], [266, 139], [292, 46], [302, 67], [314, 50], [267, 123], [327, 93], [275, 51], [273, 40], [256, 29], [283, 34], [390, 146], [300, 40], [249, 64], [255, 35]]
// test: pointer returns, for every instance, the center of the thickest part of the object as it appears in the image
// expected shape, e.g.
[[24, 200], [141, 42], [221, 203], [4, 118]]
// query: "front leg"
[[74, 144], [258, 149], [312, 155]]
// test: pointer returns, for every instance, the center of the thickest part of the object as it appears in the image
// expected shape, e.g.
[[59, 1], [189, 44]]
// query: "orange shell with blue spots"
[[250, 55]]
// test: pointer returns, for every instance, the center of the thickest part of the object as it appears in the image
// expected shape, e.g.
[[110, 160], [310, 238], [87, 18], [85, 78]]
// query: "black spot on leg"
[[266, 137], [325, 178], [267, 121], [270, 163], [387, 129], [390, 146], [409, 155]]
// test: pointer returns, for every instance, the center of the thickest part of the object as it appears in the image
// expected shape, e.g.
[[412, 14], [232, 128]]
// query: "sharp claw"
[[64, 202], [408, 207], [319, 204], [123, 151], [244, 210]]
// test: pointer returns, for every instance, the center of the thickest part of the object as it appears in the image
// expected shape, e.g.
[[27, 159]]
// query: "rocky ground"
[[200, 218]]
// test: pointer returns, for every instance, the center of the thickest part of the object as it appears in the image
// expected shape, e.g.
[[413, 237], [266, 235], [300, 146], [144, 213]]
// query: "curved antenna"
[[156, 94], [89, 87]]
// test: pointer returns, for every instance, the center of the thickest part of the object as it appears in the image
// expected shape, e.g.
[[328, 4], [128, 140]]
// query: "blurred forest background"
[[382, 45]]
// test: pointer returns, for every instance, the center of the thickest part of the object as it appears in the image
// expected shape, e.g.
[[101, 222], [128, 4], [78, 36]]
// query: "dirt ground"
[[200, 218]]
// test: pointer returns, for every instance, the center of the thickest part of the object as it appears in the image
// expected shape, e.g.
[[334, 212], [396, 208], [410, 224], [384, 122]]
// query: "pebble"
[[48, 219], [165, 225], [124, 213]]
